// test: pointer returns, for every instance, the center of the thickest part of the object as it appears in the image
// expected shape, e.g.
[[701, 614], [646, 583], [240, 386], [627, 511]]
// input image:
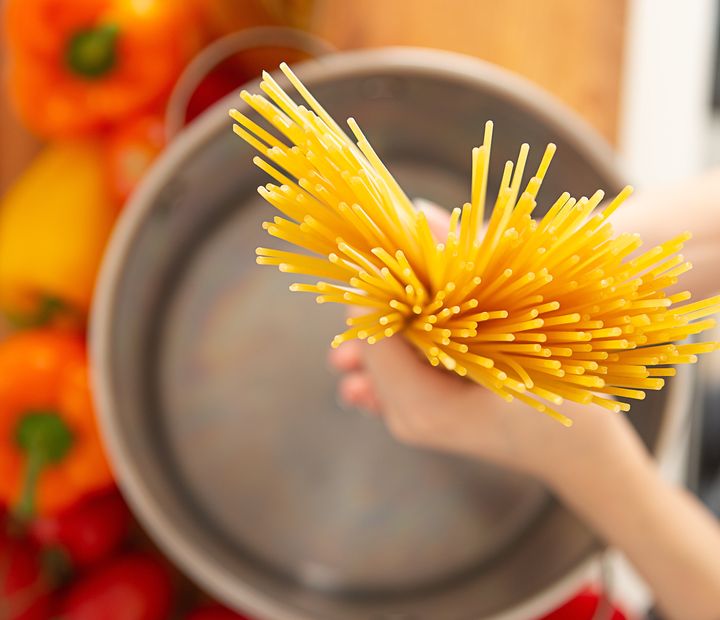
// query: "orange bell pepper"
[[54, 224], [81, 65], [50, 449]]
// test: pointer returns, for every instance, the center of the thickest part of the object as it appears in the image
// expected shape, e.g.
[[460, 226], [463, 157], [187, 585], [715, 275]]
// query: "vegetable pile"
[[90, 80]]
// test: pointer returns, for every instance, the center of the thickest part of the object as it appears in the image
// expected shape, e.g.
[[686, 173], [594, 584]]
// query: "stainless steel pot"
[[219, 411]]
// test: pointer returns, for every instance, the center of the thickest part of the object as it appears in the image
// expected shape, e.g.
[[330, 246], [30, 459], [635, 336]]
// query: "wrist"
[[599, 455], [617, 490]]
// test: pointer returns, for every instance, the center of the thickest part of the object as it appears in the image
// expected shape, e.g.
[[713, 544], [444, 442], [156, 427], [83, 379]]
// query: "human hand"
[[598, 466], [432, 408]]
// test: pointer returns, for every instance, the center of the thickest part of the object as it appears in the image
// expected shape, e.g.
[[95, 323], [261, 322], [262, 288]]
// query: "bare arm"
[[598, 467], [668, 535], [671, 539]]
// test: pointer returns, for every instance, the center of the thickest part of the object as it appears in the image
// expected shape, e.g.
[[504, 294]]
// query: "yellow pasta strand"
[[538, 310]]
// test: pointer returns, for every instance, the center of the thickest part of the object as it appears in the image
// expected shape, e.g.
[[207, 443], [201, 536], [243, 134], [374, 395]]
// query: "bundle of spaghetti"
[[541, 310]]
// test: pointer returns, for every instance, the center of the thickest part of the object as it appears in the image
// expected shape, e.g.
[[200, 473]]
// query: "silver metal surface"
[[219, 410]]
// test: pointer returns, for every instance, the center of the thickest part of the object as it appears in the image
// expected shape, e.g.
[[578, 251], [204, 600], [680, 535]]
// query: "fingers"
[[347, 357], [402, 380], [390, 376], [387, 375], [357, 389], [421, 405]]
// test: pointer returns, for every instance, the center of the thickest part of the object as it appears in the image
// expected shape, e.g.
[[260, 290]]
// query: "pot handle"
[[222, 49]]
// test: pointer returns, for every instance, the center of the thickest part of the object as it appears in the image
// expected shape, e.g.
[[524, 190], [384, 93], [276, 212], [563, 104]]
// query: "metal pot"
[[219, 412]]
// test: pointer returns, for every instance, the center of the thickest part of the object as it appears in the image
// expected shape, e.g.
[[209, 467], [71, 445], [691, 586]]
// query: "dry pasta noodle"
[[541, 310]]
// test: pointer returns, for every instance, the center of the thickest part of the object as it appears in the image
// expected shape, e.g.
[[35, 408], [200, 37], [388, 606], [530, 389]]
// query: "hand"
[[598, 466], [432, 408]]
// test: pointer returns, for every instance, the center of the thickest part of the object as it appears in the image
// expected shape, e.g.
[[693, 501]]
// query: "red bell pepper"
[[583, 607]]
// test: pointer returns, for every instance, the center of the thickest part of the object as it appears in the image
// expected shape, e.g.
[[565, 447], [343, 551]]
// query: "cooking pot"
[[219, 410]]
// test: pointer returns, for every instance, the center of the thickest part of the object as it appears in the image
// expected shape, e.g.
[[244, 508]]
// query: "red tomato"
[[214, 612], [24, 591], [136, 586], [130, 151], [89, 531]]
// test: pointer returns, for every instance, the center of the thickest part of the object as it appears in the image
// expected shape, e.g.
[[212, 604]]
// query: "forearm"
[[661, 214], [666, 533]]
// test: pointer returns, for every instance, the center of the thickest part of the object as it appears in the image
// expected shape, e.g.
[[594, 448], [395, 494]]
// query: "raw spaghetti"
[[540, 310]]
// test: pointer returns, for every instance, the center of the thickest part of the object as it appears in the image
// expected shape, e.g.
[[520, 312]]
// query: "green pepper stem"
[[92, 53], [45, 439], [47, 310], [35, 462]]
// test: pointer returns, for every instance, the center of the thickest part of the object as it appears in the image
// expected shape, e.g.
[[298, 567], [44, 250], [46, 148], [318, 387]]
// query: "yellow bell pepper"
[[54, 223]]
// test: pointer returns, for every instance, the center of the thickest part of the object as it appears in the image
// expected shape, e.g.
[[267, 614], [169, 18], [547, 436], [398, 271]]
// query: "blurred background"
[[93, 91]]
